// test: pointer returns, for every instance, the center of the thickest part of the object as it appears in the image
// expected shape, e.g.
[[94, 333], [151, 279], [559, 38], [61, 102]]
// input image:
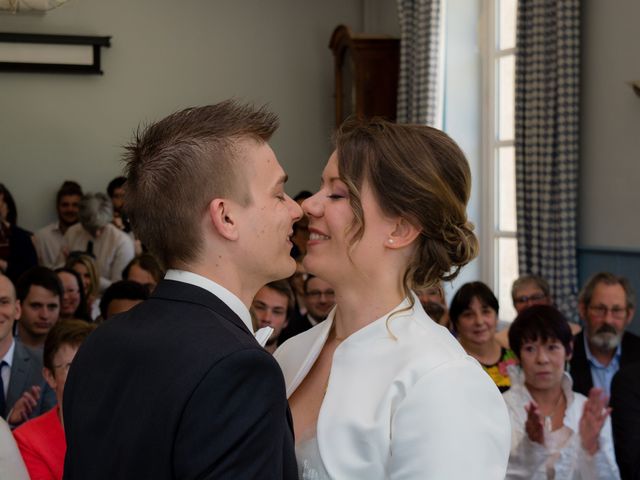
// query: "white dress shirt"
[[403, 401], [113, 250]]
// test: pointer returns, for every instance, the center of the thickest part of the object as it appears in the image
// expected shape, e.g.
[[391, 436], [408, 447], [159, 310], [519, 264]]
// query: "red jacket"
[[42, 445]]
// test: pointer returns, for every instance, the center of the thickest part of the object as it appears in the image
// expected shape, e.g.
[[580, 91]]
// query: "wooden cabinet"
[[366, 74]]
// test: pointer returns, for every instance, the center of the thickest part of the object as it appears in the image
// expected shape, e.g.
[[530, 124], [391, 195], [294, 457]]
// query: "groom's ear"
[[222, 215]]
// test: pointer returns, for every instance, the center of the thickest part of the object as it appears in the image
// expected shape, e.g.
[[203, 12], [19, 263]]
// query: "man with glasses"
[[319, 298], [606, 305]]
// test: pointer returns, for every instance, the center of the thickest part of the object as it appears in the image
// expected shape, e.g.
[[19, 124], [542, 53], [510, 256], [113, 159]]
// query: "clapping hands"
[[594, 414]]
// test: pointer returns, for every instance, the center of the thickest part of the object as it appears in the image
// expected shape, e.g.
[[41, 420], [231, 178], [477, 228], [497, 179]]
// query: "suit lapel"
[[20, 373]]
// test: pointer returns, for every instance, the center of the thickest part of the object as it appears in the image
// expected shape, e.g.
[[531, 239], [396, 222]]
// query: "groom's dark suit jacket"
[[176, 388]]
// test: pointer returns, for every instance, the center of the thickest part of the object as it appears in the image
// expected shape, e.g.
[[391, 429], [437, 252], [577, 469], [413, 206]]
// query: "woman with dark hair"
[[555, 432], [474, 316], [73, 304], [17, 253], [378, 390]]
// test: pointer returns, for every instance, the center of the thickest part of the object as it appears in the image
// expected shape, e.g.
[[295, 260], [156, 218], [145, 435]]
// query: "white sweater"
[[411, 407]]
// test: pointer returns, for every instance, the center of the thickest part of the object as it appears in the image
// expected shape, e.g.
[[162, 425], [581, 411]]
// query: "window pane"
[[507, 272], [506, 94], [507, 189], [507, 18]]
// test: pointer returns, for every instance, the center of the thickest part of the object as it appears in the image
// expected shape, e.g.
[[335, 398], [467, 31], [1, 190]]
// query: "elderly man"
[[606, 305], [178, 387], [96, 235]]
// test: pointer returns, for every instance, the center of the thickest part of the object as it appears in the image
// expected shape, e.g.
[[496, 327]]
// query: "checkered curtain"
[[547, 124], [420, 82]]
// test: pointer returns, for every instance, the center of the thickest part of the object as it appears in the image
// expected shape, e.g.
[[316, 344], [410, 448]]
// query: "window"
[[500, 250]]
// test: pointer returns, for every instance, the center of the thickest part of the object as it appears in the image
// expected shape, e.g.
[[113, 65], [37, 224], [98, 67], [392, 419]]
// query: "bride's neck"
[[358, 306]]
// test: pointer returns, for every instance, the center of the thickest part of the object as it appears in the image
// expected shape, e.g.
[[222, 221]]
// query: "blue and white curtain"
[[420, 82], [547, 128]]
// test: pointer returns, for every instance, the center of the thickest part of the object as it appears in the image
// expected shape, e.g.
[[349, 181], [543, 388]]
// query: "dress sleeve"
[[526, 457], [451, 424], [602, 465]]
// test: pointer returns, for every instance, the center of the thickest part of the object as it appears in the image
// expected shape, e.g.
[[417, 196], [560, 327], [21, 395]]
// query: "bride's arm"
[[452, 424]]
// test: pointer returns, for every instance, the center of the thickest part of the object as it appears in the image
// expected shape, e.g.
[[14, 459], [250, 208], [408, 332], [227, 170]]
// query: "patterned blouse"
[[498, 371]]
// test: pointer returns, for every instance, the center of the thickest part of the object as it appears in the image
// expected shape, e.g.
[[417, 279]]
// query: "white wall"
[[166, 55], [610, 129]]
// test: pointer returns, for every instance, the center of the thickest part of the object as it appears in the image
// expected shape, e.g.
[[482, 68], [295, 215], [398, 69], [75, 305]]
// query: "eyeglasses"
[[601, 311], [329, 294], [536, 297]]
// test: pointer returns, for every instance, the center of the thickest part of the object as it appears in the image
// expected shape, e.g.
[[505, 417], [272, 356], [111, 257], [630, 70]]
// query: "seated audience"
[[474, 316], [11, 463], [48, 240], [121, 296], [85, 266], [41, 441], [23, 393], [606, 305], [40, 294], [270, 308], [17, 253], [96, 236], [144, 269], [73, 303], [625, 420], [434, 303], [555, 432], [319, 299]]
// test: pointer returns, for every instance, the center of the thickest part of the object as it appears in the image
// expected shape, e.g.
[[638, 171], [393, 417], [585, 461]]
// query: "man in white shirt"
[[48, 240], [185, 390]]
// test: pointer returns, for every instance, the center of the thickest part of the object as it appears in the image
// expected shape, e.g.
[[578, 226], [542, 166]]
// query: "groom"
[[178, 387]]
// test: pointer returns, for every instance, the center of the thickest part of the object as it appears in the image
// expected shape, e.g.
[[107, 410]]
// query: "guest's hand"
[[24, 406], [594, 414], [534, 426]]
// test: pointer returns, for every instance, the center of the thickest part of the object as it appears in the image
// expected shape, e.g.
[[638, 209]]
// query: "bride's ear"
[[403, 234]]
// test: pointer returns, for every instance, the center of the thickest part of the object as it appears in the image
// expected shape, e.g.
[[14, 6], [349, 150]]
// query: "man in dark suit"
[[23, 391], [178, 387], [606, 305]]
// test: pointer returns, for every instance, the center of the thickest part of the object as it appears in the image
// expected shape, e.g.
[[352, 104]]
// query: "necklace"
[[548, 418]]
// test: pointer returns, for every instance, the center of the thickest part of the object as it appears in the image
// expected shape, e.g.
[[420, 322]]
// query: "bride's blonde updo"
[[420, 174]]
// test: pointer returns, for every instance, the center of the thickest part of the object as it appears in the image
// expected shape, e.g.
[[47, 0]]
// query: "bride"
[[379, 390]]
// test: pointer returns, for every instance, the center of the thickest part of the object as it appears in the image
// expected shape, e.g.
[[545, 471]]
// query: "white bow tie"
[[263, 334]]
